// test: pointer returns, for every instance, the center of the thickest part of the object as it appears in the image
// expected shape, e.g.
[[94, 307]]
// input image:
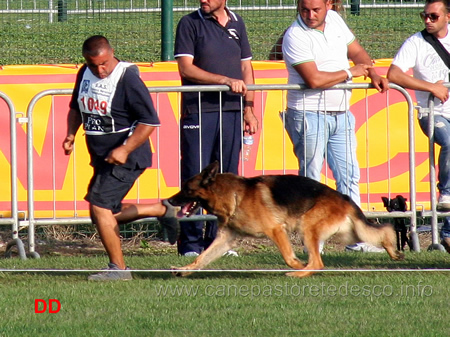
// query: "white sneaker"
[[443, 203], [364, 247], [321, 244], [231, 253], [191, 254], [112, 273]]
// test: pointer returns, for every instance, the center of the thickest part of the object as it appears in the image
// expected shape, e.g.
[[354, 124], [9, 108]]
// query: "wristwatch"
[[349, 74], [248, 103]]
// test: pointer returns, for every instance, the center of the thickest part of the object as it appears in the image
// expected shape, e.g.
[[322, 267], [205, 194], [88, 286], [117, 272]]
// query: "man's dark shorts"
[[110, 184]]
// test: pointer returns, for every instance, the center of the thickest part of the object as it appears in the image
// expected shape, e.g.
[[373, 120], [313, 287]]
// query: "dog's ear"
[[385, 201], [209, 173], [401, 203]]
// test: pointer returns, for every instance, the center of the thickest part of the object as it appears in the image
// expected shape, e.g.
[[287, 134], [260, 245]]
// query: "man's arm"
[[359, 56], [316, 79], [119, 155], [73, 124], [191, 72], [398, 76], [250, 121]]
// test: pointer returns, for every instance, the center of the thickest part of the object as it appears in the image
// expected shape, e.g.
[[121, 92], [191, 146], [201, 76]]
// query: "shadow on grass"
[[229, 267], [254, 265]]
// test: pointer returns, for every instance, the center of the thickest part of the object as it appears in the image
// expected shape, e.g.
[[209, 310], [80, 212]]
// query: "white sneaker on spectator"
[[112, 273], [364, 247], [443, 203], [321, 244], [231, 253], [191, 254]]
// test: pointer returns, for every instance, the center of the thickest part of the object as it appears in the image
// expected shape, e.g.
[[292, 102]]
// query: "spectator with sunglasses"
[[429, 74]]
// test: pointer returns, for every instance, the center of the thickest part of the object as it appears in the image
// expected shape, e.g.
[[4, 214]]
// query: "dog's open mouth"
[[188, 209]]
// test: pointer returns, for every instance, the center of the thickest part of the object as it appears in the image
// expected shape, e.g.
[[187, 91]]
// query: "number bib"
[[94, 100]]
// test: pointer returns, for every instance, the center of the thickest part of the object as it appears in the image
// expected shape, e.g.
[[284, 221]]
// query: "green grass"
[[231, 303]]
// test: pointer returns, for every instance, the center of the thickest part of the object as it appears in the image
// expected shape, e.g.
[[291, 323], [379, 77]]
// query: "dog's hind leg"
[[280, 237], [387, 244], [314, 259], [223, 242]]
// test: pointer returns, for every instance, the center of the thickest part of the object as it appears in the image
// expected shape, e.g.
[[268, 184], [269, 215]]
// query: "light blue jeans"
[[316, 135], [442, 138], [445, 230]]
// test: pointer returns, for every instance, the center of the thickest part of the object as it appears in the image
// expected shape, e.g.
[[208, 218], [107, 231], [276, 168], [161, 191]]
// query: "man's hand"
[[360, 70], [68, 144], [439, 91], [118, 156], [379, 82], [236, 86], [251, 124]]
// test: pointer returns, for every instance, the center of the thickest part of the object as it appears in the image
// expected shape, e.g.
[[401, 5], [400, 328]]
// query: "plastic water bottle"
[[248, 143]]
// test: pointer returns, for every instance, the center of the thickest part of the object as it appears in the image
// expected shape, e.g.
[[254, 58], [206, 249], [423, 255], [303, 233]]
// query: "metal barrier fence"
[[273, 156], [13, 220], [433, 213]]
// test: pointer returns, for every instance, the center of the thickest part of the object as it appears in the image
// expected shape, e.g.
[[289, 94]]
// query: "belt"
[[332, 113]]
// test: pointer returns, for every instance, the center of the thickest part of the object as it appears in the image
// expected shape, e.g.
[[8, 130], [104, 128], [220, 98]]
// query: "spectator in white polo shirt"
[[316, 50]]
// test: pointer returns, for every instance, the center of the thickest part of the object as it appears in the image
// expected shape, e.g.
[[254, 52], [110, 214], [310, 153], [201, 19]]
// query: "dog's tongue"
[[185, 210], [181, 213]]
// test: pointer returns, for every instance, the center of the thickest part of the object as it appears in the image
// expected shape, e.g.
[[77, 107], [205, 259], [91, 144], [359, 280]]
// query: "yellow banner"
[[60, 181]]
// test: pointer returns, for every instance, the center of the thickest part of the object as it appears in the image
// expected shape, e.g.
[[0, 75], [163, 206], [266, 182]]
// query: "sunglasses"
[[433, 17]]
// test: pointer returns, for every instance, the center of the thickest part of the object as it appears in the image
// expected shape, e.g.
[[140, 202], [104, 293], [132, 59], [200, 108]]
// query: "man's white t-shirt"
[[328, 49], [420, 56]]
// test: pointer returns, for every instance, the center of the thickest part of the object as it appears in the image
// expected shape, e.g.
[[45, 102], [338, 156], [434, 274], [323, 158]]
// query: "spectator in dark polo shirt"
[[211, 47]]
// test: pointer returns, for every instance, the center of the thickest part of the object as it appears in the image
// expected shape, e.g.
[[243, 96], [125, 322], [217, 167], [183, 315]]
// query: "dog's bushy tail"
[[375, 233]]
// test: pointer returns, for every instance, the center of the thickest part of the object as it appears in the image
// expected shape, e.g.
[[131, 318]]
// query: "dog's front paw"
[[398, 256], [179, 272]]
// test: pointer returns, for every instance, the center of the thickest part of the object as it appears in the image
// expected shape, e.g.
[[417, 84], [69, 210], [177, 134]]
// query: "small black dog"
[[398, 204]]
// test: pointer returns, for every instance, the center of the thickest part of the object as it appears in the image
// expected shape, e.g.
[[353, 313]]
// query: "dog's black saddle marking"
[[296, 193]]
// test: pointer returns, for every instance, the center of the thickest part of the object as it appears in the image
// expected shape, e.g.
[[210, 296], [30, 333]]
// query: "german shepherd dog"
[[274, 206]]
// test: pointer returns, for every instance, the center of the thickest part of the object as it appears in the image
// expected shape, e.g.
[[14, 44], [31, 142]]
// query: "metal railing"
[[13, 220], [261, 93], [433, 212]]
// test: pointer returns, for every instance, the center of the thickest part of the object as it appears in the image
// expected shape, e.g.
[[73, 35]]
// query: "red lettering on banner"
[[169, 139], [42, 162]]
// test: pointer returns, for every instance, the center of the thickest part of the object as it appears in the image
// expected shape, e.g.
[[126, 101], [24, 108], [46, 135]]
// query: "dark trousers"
[[198, 152]]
